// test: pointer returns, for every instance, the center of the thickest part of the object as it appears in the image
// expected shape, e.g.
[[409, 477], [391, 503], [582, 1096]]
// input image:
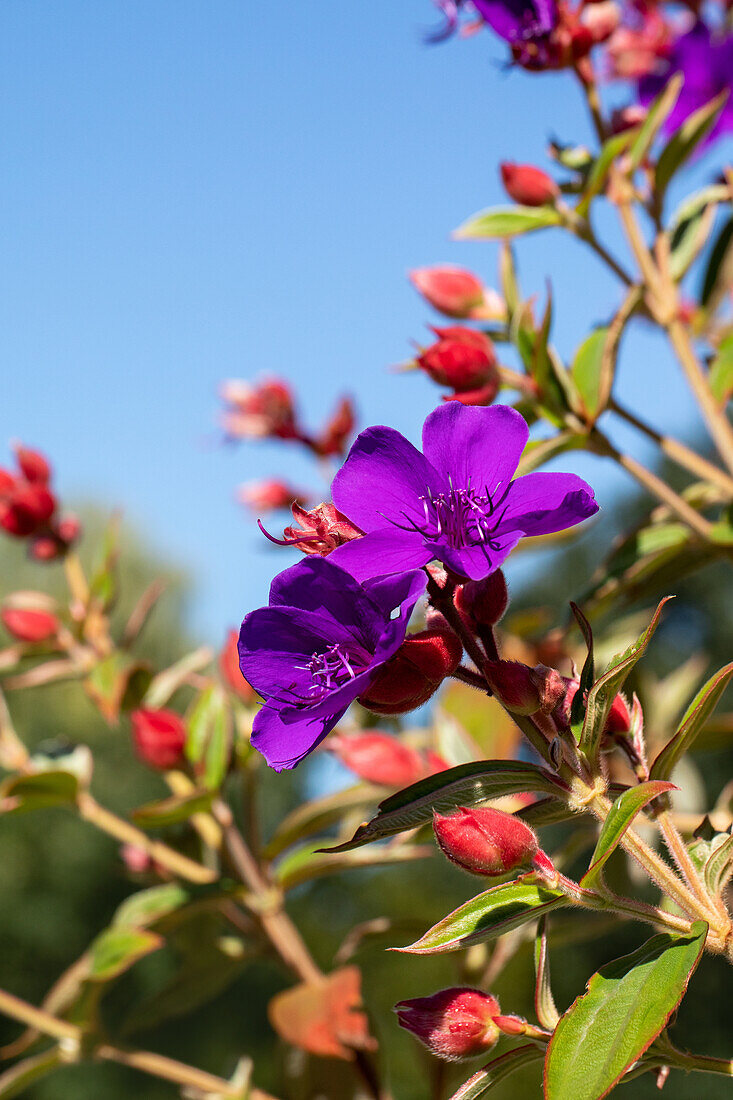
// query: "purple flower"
[[516, 21], [317, 647], [706, 61], [457, 502]]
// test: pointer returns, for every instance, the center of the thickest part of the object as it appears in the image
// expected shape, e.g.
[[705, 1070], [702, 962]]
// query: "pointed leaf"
[[685, 140], [117, 949], [544, 1002], [173, 810], [659, 111], [314, 817], [598, 174], [688, 241], [718, 272], [466, 785], [509, 221], [490, 914], [148, 906], [692, 722], [721, 372], [626, 1005], [605, 689], [38, 791], [719, 867], [620, 816], [586, 372], [308, 862], [498, 1069], [577, 708]]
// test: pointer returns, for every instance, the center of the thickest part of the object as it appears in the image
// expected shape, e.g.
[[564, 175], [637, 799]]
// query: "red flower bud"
[[525, 690], [453, 1024], [267, 496], [319, 530], [29, 625], [483, 603], [338, 429], [619, 716], [33, 465], [68, 529], [451, 290], [231, 673], [265, 409], [380, 758], [484, 395], [485, 841], [528, 185], [7, 483], [415, 672], [159, 737], [462, 359], [46, 548]]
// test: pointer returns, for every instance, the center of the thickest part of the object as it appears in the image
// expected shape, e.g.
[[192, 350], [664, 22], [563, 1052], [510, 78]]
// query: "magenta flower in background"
[[455, 503], [318, 646], [705, 59], [516, 21]]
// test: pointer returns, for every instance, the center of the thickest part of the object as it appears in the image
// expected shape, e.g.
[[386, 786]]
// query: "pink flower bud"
[[319, 530], [416, 671], [68, 529], [267, 496], [484, 602], [525, 690], [29, 625], [453, 1024], [265, 409], [461, 358], [485, 841], [159, 737], [231, 673], [451, 290], [46, 548], [34, 467], [528, 185], [381, 758]]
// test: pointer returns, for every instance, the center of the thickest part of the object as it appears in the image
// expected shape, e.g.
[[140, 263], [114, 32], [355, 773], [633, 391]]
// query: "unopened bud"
[[338, 430], [484, 602], [68, 529], [34, 467], [451, 290], [7, 483], [453, 1024], [528, 185], [414, 673], [485, 841], [525, 690], [267, 496], [619, 716], [29, 625], [231, 673], [461, 358], [159, 737], [46, 548], [381, 758]]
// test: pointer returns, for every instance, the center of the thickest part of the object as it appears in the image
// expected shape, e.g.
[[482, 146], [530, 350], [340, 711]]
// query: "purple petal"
[[538, 504], [284, 743], [388, 550], [473, 445], [401, 592], [384, 475], [319, 585], [518, 20], [478, 561]]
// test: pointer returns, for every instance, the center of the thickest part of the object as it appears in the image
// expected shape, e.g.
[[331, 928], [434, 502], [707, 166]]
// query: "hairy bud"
[[159, 737], [462, 359], [381, 758], [29, 625], [453, 291], [453, 1024], [528, 185], [484, 602], [525, 690], [486, 841], [415, 672]]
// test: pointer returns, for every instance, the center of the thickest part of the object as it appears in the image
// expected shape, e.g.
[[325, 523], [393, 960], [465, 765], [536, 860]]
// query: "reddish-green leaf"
[[620, 816], [498, 1069]]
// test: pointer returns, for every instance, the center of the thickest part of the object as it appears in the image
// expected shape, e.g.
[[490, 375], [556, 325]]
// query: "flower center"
[[330, 669], [459, 518]]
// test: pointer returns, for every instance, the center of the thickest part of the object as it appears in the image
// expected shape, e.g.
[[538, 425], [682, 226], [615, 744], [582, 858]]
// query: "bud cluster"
[[28, 507]]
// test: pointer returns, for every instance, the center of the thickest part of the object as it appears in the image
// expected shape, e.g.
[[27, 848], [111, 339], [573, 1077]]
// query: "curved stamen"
[[289, 542]]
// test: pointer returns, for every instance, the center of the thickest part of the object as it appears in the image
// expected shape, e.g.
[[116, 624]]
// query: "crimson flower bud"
[[461, 358], [34, 467], [267, 496], [231, 673], [485, 841], [619, 716], [451, 290], [68, 529], [29, 624], [453, 1024], [484, 395], [381, 758], [46, 548], [416, 671], [159, 737], [484, 602], [319, 530], [7, 483], [528, 185], [525, 690], [28, 507]]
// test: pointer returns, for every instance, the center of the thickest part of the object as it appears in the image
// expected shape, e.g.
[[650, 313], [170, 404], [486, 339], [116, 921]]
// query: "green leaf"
[[659, 111], [598, 174], [586, 371], [173, 810], [507, 221], [716, 281], [719, 866], [605, 689], [117, 682], [38, 791], [117, 949], [620, 816], [721, 372], [707, 196], [148, 906], [498, 1069], [209, 735], [692, 722], [544, 1002], [626, 1005], [688, 241], [308, 862], [685, 140], [488, 915], [167, 682], [466, 785], [314, 817]]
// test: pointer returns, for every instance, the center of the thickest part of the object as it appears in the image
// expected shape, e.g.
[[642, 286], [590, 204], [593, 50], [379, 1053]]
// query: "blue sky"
[[194, 191]]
